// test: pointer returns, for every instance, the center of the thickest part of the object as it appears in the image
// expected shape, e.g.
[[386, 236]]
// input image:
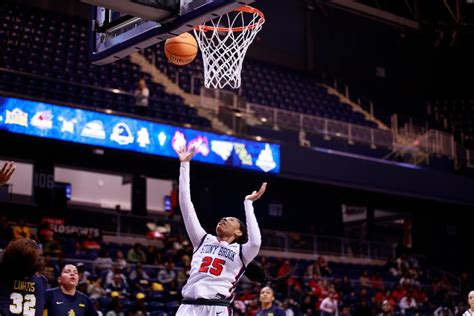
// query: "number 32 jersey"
[[22, 296], [216, 267]]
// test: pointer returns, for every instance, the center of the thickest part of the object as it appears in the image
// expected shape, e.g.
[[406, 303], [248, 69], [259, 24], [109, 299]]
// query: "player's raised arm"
[[251, 248], [191, 221]]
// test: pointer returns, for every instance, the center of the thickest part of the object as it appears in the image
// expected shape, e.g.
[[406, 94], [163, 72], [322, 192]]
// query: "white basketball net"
[[224, 43]]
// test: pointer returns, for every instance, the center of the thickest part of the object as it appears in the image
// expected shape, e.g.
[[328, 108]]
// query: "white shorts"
[[203, 310]]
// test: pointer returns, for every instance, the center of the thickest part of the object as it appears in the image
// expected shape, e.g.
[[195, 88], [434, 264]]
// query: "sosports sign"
[[120, 132]]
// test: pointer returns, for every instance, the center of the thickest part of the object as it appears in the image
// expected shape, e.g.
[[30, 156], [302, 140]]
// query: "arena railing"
[[121, 225], [282, 119], [289, 120], [326, 245]]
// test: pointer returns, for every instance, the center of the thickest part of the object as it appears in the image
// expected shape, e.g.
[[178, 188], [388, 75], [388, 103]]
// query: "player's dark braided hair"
[[20, 259], [245, 235], [256, 273]]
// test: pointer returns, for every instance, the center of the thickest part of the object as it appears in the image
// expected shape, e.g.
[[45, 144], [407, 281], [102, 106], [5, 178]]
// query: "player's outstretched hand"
[[256, 195], [185, 155], [6, 172]]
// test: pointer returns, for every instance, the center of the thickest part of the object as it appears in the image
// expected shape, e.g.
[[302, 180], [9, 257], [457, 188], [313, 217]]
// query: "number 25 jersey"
[[216, 267]]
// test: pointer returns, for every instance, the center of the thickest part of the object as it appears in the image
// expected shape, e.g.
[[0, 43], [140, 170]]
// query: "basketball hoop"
[[224, 42]]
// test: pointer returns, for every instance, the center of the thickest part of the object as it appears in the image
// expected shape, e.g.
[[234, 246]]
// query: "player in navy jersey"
[[267, 298], [22, 291], [65, 300]]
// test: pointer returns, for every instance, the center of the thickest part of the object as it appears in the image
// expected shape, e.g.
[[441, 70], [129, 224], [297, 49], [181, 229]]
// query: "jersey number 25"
[[212, 265]]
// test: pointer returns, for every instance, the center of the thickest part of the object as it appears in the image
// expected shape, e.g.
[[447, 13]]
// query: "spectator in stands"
[[398, 293], [66, 299], [103, 262], [365, 280], [20, 230], [91, 245], [138, 307], [159, 261], [95, 288], [419, 295], [6, 233], [267, 299], [377, 282], [118, 285], [345, 288], [120, 261], [83, 277], [346, 311], [138, 272], [394, 266], [328, 306], [362, 308], [52, 248], [136, 254], [50, 270], [115, 270], [151, 253], [78, 249], [382, 296], [115, 307], [141, 98], [324, 267], [167, 275], [408, 303], [45, 233], [313, 269], [183, 274], [285, 268], [470, 300], [387, 309]]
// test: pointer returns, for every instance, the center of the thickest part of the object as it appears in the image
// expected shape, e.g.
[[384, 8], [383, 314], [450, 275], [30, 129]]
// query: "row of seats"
[[55, 47], [266, 85], [457, 116]]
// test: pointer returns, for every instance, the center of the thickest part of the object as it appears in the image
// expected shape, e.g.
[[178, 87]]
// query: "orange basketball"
[[182, 49]]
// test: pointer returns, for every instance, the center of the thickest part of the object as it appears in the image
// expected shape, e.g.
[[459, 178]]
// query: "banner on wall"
[[120, 132], [59, 226]]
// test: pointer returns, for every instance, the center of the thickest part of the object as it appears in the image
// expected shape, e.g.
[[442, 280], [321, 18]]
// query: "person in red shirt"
[[399, 293], [90, 244], [377, 282]]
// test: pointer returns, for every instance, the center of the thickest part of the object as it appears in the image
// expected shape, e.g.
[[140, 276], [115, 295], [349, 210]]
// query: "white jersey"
[[216, 267], [468, 313]]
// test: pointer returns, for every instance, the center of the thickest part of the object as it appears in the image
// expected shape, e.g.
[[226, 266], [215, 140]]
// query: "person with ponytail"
[[218, 260]]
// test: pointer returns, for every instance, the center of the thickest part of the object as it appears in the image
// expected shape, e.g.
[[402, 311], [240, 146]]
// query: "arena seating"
[[456, 116], [268, 85], [48, 54]]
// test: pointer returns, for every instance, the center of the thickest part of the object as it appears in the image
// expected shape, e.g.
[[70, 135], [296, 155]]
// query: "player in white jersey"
[[470, 311], [218, 261]]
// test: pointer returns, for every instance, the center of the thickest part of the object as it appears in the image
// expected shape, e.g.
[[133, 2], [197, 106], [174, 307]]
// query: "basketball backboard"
[[121, 27]]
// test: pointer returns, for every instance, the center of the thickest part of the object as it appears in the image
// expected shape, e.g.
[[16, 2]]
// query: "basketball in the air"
[[182, 49]]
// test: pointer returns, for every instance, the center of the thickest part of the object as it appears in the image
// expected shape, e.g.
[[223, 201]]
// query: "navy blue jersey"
[[60, 304], [272, 311], [22, 296]]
